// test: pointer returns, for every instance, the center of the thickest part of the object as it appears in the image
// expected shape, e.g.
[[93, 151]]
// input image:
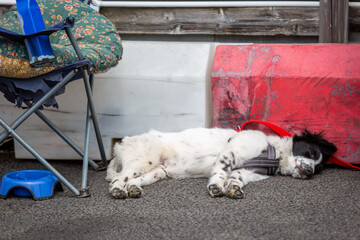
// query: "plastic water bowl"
[[38, 184]]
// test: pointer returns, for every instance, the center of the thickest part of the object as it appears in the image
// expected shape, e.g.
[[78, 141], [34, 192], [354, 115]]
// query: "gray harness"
[[266, 163]]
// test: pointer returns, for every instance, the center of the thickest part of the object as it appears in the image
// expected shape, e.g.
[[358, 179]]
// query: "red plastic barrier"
[[293, 86]]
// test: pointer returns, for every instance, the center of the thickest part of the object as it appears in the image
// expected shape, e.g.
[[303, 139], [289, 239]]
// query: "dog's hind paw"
[[215, 190], [134, 191], [234, 191], [118, 193]]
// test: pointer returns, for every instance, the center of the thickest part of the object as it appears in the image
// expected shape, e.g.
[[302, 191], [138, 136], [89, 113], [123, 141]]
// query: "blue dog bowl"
[[38, 184]]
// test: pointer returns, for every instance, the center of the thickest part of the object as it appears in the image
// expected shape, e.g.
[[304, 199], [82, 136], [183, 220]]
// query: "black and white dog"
[[215, 153]]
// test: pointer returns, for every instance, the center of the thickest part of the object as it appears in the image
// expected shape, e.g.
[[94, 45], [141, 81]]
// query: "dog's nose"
[[308, 172]]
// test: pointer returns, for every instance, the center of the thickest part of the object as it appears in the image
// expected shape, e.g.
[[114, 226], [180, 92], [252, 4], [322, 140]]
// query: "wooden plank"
[[339, 21], [325, 21], [264, 21], [334, 18]]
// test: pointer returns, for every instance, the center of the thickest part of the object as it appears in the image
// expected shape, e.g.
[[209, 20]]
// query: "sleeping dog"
[[224, 156]]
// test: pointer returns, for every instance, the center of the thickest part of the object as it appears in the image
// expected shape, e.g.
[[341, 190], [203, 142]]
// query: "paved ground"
[[326, 207]]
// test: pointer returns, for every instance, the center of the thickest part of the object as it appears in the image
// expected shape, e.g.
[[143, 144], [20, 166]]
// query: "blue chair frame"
[[74, 71]]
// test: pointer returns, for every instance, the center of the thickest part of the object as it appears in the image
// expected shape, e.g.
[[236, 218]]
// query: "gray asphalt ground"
[[325, 207]]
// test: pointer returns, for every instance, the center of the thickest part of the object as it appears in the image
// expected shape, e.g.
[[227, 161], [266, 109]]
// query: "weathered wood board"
[[255, 21]]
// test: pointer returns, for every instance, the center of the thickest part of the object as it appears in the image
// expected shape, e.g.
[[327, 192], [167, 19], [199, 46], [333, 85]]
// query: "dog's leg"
[[220, 174], [243, 146], [136, 155], [238, 179], [120, 179], [113, 169], [117, 186], [134, 185], [234, 185]]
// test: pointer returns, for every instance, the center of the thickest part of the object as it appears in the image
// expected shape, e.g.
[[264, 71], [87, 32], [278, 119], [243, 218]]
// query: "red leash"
[[281, 132]]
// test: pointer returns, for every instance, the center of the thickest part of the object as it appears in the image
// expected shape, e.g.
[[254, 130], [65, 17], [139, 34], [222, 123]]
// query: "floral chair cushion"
[[96, 36]]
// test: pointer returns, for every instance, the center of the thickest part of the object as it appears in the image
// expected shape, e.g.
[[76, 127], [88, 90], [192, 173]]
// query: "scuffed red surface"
[[293, 86]]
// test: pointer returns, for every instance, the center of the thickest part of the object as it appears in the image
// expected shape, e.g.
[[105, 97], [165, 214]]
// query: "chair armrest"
[[67, 23]]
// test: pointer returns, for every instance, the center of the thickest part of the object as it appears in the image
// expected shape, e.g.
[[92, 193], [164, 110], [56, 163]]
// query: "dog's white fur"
[[213, 153]]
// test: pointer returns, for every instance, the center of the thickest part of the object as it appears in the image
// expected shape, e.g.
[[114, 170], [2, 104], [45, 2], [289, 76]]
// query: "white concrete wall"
[[157, 85]]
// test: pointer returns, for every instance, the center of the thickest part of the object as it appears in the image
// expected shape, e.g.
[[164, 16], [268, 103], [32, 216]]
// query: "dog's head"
[[309, 152]]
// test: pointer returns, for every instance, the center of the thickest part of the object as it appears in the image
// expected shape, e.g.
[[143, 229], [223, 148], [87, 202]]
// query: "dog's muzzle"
[[306, 172], [306, 167]]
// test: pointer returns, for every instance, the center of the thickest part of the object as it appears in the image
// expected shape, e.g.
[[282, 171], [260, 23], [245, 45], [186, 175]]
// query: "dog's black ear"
[[327, 148]]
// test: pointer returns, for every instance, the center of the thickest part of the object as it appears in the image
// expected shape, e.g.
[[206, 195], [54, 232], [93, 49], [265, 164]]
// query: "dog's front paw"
[[233, 190], [215, 190], [118, 193], [134, 191]]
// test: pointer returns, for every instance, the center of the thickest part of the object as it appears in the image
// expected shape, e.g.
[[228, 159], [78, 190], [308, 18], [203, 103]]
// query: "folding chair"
[[37, 91]]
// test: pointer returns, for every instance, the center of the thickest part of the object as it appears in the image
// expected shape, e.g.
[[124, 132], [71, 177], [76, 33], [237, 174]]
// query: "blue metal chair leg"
[[63, 136], [90, 116], [87, 82], [84, 191], [93, 115]]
